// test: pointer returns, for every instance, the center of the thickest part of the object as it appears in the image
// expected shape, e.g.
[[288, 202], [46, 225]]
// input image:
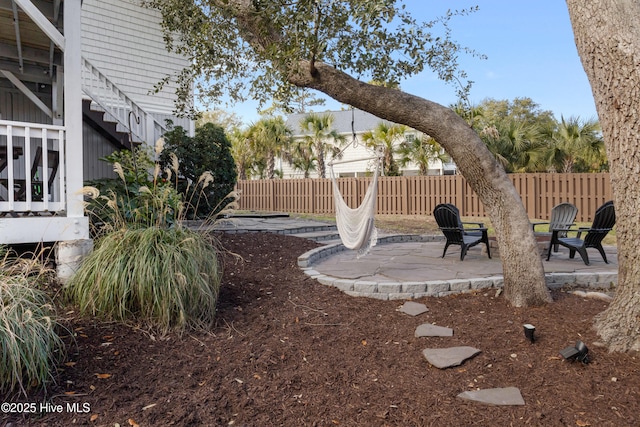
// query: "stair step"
[[96, 107], [96, 115], [319, 236]]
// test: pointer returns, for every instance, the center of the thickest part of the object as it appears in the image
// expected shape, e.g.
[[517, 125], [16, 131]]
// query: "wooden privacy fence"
[[419, 195]]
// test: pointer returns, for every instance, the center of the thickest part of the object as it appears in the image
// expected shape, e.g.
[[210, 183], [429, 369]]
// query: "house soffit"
[[25, 50]]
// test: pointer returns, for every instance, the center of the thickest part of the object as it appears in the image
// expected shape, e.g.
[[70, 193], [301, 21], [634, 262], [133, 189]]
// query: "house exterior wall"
[[346, 123], [96, 147], [124, 41], [15, 106]]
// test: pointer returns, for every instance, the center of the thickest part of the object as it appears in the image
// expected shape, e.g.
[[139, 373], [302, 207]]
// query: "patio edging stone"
[[389, 290]]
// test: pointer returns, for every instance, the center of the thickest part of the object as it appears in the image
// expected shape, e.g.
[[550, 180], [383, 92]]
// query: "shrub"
[[146, 265], [139, 194], [164, 277], [209, 150], [28, 339]]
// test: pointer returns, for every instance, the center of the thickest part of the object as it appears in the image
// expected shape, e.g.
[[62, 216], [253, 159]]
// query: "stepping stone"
[[599, 295], [443, 358], [429, 330], [494, 396], [413, 308]]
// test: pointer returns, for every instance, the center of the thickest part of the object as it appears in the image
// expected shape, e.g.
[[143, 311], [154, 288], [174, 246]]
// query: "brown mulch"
[[288, 351]]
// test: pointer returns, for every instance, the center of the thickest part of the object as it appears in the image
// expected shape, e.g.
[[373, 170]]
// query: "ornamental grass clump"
[[147, 266], [29, 343], [167, 278]]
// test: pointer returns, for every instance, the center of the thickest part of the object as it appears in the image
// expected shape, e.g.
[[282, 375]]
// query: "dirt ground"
[[288, 351]]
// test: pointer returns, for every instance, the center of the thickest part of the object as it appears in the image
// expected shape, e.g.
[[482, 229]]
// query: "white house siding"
[[187, 124], [124, 41]]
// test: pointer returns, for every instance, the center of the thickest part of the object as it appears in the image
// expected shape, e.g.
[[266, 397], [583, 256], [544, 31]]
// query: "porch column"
[[73, 107]]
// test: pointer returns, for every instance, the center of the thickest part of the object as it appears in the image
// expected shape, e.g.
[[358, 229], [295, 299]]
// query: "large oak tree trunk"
[[607, 36], [524, 282]]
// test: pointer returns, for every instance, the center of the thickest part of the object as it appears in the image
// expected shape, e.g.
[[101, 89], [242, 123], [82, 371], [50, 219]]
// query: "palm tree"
[[270, 138], [421, 151], [518, 146], [472, 114], [241, 152], [576, 145], [321, 138], [386, 137], [302, 157]]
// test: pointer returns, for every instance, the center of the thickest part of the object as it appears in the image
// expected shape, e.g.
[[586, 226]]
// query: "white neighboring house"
[[352, 124], [75, 84]]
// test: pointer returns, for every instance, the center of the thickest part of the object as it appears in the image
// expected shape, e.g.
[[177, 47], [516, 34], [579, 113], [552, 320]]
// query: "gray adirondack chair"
[[603, 221], [562, 218]]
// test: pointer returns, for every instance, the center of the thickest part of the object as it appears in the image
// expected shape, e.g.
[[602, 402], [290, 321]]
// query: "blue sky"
[[530, 49]]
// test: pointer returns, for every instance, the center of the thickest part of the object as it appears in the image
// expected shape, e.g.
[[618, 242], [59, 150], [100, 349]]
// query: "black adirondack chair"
[[603, 222], [472, 228], [448, 218]]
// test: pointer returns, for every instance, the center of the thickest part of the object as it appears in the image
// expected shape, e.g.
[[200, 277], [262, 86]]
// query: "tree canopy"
[[234, 50]]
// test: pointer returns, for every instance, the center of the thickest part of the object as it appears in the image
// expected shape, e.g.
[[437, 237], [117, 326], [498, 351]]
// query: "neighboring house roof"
[[362, 121]]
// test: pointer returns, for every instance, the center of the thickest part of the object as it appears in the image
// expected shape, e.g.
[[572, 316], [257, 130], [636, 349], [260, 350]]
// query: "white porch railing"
[[32, 167], [118, 107]]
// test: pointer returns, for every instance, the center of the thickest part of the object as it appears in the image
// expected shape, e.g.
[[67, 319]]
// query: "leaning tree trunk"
[[607, 34], [524, 282]]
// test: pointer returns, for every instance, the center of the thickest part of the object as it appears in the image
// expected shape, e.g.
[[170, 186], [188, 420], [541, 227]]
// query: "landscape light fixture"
[[579, 352], [529, 330]]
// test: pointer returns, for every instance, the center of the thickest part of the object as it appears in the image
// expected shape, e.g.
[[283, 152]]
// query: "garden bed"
[[289, 351]]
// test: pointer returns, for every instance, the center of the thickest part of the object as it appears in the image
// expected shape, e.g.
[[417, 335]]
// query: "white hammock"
[[356, 226]]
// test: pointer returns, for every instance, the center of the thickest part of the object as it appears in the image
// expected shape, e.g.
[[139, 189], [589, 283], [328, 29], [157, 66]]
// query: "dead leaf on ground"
[[93, 417], [103, 376], [132, 423]]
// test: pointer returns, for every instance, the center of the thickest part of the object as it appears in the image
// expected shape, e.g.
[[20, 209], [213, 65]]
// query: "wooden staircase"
[[113, 113], [94, 116]]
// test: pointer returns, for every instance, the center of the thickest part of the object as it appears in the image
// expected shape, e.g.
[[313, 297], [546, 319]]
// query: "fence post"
[[404, 195], [272, 199]]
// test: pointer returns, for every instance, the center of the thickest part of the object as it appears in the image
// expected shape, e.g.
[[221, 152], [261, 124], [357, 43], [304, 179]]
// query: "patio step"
[[320, 235]]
